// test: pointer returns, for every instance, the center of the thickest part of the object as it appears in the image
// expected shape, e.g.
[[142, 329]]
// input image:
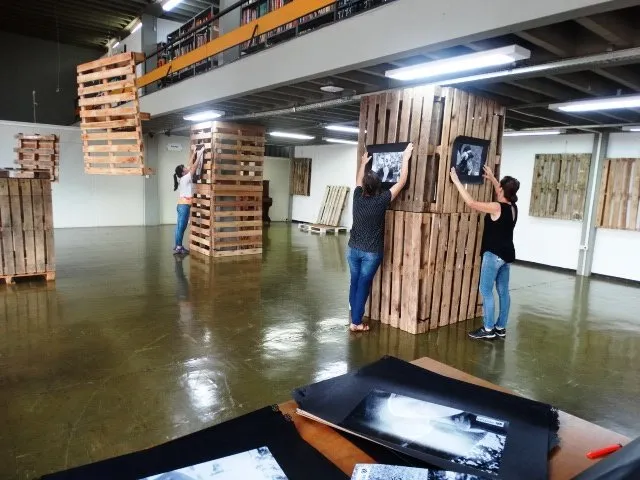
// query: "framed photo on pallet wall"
[[387, 162], [468, 157]]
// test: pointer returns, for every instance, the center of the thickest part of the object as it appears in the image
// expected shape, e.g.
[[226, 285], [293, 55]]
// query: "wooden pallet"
[[226, 214], [430, 271], [48, 276], [39, 152], [26, 237], [559, 186], [301, 176], [432, 118], [332, 205], [619, 201], [321, 229], [110, 117], [20, 173]]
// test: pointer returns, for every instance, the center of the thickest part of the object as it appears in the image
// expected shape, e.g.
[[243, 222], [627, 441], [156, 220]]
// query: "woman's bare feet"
[[359, 328]]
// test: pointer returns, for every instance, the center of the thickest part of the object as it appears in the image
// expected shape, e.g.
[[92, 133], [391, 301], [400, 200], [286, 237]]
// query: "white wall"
[[277, 170], [167, 163], [165, 27], [330, 165], [616, 251], [80, 200]]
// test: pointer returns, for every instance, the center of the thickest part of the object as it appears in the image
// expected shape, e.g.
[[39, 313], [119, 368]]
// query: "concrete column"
[[588, 235], [227, 23], [149, 42], [151, 194]]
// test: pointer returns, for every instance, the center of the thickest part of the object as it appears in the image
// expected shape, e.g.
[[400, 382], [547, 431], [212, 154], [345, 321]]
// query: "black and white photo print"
[[386, 162], [469, 156], [393, 472], [258, 464], [453, 435]]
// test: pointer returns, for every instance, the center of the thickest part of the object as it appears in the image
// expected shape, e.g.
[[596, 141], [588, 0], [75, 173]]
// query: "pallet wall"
[[226, 215], [432, 118], [559, 186], [431, 267], [39, 152], [26, 233], [110, 117], [619, 202]]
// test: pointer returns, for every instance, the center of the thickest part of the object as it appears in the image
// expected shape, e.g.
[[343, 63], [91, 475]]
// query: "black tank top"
[[497, 237]]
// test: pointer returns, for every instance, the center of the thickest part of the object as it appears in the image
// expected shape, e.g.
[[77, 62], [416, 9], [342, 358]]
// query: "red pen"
[[604, 451]]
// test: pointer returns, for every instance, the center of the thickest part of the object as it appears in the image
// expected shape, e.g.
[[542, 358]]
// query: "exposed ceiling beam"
[[612, 27], [513, 92], [622, 75], [551, 39]]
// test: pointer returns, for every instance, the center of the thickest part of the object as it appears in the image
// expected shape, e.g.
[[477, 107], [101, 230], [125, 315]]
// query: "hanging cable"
[[55, 10]]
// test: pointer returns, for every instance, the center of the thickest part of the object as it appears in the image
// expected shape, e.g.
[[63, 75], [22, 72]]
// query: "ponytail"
[[175, 182], [510, 187], [178, 173]]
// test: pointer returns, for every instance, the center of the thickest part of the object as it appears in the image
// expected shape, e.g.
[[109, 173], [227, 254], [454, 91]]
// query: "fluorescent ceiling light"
[[331, 89], [633, 128], [297, 136], [343, 128], [115, 44], [137, 27], [526, 133], [202, 116], [170, 5], [609, 103], [340, 140], [473, 61]]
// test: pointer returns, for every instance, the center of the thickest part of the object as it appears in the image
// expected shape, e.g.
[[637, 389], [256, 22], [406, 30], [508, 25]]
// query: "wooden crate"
[[619, 202], [301, 176], [432, 118], [26, 233], [110, 117], [39, 152], [430, 271], [332, 206], [226, 214], [559, 186]]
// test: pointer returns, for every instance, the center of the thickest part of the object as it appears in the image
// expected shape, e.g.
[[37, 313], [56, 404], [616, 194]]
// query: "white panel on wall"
[[81, 200], [542, 240], [168, 160], [277, 170], [331, 165]]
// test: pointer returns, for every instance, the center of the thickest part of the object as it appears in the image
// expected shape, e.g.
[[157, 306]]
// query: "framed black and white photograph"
[[258, 464], [392, 472], [386, 161], [460, 437], [468, 157]]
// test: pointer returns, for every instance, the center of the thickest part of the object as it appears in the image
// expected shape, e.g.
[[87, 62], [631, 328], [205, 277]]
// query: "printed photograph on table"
[[258, 464], [453, 435], [396, 472], [386, 162], [468, 157]]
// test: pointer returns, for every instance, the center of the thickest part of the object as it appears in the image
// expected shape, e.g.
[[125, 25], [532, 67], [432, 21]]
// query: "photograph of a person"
[[469, 156], [392, 472], [453, 435], [258, 464], [386, 162]]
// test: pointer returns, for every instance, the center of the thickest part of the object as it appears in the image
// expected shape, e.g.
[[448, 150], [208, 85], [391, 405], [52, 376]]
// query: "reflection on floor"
[[130, 348]]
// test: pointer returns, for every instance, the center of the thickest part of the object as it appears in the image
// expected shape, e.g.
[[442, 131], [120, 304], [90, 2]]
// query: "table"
[[577, 436]]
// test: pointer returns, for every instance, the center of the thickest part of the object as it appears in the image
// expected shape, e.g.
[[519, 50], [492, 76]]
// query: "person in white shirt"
[[183, 183]]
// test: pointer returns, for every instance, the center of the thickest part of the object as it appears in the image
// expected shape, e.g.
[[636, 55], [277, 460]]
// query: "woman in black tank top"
[[497, 250]]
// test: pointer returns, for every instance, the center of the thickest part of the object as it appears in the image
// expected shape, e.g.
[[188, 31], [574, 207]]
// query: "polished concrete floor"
[[128, 348]]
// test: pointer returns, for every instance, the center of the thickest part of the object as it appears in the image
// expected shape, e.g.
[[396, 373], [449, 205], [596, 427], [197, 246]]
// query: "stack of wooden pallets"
[[110, 116], [26, 220], [39, 152], [226, 215], [331, 209], [431, 264]]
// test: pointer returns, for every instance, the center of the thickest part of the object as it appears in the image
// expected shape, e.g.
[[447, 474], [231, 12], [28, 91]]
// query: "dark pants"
[[183, 220], [363, 267]]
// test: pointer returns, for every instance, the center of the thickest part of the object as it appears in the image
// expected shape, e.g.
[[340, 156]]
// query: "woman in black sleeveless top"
[[497, 250]]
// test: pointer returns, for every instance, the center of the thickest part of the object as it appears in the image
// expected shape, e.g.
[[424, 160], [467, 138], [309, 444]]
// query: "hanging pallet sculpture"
[[110, 117], [39, 153], [301, 176], [26, 233], [226, 214], [619, 202], [431, 265], [559, 186]]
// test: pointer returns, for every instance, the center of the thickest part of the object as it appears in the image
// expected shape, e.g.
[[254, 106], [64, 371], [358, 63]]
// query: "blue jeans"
[[494, 270], [363, 267], [183, 220]]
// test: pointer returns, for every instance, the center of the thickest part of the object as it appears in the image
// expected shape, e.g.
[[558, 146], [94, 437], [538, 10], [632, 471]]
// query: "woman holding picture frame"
[[366, 243], [498, 251]]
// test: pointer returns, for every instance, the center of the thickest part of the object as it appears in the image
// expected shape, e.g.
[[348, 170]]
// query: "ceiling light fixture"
[[340, 140], [608, 103], [331, 89], [632, 128], [137, 27], [296, 136], [115, 44], [462, 63], [203, 116], [170, 5], [343, 128], [526, 133]]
